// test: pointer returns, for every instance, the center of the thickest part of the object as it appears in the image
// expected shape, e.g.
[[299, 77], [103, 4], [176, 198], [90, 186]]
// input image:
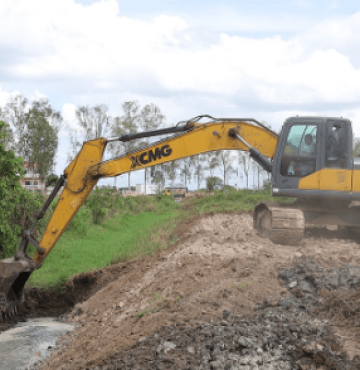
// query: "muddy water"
[[29, 342]]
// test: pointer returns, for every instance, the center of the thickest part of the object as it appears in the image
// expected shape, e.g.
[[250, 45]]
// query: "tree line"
[[33, 134]]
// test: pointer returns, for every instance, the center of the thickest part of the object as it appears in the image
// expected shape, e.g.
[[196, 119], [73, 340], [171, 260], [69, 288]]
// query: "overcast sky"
[[263, 59]]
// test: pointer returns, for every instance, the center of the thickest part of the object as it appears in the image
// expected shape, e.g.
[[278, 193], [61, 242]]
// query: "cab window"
[[299, 156], [335, 148]]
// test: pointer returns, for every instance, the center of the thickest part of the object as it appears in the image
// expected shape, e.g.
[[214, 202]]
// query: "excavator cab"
[[314, 159]]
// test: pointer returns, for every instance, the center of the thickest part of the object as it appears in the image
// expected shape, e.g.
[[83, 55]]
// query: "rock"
[[206, 358], [191, 350], [245, 360], [333, 282], [306, 287], [165, 347], [245, 342], [216, 365]]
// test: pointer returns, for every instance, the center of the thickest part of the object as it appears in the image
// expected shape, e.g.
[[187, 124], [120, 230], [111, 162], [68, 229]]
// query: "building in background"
[[31, 180], [149, 190]]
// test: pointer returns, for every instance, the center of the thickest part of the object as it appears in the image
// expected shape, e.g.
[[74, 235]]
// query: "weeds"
[[143, 313], [156, 302]]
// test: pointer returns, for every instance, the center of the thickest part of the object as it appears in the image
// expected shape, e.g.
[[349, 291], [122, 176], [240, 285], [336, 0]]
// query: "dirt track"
[[268, 304]]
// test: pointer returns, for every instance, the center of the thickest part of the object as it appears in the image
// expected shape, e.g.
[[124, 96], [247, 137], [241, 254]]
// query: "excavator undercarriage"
[[284, 223], [279, 222]]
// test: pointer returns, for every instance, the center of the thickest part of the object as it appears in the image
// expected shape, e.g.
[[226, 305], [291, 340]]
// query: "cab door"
[[299, 160], [336, 166]]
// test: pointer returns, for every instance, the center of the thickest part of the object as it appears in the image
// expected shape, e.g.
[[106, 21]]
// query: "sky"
[[268, 60]]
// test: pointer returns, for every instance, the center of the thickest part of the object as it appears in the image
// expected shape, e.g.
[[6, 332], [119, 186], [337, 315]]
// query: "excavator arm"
[[79, 178]]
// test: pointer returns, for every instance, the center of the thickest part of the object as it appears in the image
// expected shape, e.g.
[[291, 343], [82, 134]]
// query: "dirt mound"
[[219, 265]]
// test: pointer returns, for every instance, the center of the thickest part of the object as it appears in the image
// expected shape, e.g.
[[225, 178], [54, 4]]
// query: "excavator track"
[[280, 223]]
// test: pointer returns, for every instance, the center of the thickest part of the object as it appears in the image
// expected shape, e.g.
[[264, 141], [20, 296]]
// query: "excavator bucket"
[[14, 273]]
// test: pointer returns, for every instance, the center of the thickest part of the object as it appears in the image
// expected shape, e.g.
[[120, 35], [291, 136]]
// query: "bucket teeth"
[[11, 314], [7, 319]]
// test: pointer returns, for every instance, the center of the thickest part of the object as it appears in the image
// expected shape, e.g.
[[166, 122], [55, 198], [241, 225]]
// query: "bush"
[[95, 203], [10, 196], [80, 223], [166, 204]]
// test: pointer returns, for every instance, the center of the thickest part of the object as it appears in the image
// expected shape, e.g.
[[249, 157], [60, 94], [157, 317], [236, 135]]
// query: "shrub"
[[80, 223], [95, 203]]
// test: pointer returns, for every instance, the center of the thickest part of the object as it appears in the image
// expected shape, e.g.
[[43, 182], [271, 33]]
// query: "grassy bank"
[[115, 240], [139, 226]]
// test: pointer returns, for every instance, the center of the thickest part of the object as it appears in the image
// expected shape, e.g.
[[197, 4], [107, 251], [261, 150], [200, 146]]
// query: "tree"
[[157, 175], [244, 160], [115, 148], [11, 167], [199, 167], [213, 161], [14, 114], [129, 123], [186, 166], [35, 131], [213, 181], [53, 117], [226, 159], [8, 138], [93, 123], [253, 166], [169, 170], [41, 142], [52, 179], [151, 119]]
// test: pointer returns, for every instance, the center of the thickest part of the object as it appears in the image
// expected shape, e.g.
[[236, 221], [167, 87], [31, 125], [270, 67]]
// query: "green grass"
[[142, 226], [117, 239]]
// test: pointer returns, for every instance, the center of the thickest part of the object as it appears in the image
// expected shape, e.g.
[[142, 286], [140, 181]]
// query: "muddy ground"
[[220, 298]]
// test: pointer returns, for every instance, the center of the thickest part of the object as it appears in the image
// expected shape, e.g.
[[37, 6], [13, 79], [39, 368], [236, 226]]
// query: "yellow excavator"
[[311, 160]]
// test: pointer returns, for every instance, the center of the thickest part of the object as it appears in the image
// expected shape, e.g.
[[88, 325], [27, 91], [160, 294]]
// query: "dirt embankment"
[[220, 297]]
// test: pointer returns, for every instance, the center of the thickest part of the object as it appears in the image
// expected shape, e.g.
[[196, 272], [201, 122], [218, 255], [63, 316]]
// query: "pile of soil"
[[221, 298]]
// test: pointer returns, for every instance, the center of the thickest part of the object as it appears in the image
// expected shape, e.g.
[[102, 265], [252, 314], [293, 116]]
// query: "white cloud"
[[98, 55], [68, 113], [342, 35], [37, 95], [98, 47], [4, 97]]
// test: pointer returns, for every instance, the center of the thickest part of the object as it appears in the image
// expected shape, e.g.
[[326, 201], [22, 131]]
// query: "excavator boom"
[[191, 138]]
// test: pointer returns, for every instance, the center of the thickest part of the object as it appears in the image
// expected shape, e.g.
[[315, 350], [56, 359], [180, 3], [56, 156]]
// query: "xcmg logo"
[[151, 155]]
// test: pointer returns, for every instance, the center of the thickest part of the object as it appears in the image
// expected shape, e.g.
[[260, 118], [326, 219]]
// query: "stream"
[[30, 341]]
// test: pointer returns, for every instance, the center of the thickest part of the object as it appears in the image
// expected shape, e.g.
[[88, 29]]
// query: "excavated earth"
[[220, 298]]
